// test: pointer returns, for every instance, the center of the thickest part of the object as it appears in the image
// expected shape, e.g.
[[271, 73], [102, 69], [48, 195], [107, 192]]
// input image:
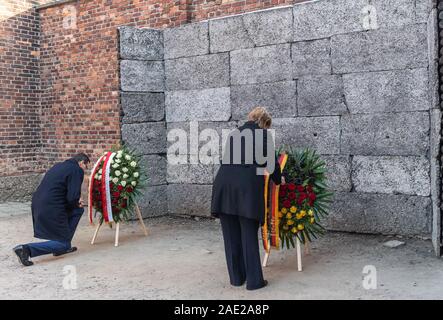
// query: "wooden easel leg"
[[265, 259], [140, 219], [96, 232], [299, 262], [117, 233]]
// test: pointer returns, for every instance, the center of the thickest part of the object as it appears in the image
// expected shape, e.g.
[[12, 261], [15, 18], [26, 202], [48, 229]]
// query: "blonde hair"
[[260, 116]]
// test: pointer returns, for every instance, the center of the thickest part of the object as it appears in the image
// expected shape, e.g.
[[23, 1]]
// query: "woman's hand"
[[283, 180]]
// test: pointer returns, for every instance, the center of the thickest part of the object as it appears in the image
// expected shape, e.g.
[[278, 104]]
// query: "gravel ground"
[[184, 259]]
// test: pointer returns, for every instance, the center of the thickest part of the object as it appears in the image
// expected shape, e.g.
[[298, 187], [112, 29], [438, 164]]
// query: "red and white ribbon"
[[106, 188], [91, 188]]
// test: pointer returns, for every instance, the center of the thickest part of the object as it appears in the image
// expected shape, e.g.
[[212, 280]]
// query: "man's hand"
[[80, 203], [283, 180]]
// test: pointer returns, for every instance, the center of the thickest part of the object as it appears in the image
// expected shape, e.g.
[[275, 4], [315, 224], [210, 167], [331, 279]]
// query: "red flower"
[[116, 194], [283, 187], [129, 189], [312, 196], [287, 204], [120, 188], [282, 193], [291, 195], [309, 188], [291, 187], [311, 203], [300, 188], [301, 198], [124, 203]]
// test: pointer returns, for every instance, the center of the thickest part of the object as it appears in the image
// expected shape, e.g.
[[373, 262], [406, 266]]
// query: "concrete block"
[[155, 166], [200, 72], [279, 98], [321, 19], [387, 91], [380, 213], [140, 44], [154, 201], [198, 105], [319, 133], [186, 40], [189, 199], [396, 175], [311, 57], [251, 29], [338, 172], [385, 134], [142, 107], [145, 138], [383, 49], [261, 64], [190, 173], [320, 95], [142, 75]]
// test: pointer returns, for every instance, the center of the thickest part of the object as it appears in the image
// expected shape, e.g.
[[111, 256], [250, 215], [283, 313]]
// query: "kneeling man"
[[56, 210]]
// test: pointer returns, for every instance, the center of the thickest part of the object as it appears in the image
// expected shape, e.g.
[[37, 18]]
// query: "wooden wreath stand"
[[117, 227], [307, 251]]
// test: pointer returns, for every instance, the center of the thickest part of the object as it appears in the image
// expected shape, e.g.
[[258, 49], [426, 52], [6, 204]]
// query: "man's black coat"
[[55, 198]]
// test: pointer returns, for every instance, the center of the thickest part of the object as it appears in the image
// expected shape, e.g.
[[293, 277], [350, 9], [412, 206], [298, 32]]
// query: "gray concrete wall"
[[354, 79], [18, 188]]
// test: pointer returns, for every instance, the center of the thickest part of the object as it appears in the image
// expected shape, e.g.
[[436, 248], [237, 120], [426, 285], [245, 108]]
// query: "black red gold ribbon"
[[272, 238]]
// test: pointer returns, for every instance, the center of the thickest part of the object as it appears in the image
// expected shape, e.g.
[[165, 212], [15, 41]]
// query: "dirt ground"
[[184, 259]]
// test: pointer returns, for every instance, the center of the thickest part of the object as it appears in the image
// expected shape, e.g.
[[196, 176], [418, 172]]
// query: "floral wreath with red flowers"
[[304, 199], [123, 184]]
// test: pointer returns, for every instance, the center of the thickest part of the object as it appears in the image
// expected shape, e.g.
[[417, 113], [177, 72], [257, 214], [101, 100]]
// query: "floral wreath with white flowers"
[[120, 188]]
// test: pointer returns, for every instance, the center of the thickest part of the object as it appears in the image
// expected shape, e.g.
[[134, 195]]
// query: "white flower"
[[134, 183], [117, 173], [118, 160], [125, 169], [136, 174], [115, 180], [125, 176], [115, 166], [96, 176], [128, 157], [123, 183], [99, 177], [133, 164], [118, 156], [100, 171]]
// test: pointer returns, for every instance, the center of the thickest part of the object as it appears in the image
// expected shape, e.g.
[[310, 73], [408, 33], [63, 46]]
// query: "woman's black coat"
[[237, 189], [55, 198]]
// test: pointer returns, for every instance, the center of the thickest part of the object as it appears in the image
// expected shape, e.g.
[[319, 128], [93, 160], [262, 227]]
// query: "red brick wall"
[[20, 139], [59, 75]]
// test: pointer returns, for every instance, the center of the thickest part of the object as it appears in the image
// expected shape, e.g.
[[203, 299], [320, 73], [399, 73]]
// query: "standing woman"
[[238, 199]]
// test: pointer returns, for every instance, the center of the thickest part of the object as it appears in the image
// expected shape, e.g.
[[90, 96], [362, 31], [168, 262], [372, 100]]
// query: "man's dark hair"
[[81, 157]]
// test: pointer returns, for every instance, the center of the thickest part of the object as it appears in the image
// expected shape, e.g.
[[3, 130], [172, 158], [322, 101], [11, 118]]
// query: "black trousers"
[[242, 251]]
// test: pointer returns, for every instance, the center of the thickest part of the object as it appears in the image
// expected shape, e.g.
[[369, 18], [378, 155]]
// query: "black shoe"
[[265, 283], [22, 253], [72, 249]]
